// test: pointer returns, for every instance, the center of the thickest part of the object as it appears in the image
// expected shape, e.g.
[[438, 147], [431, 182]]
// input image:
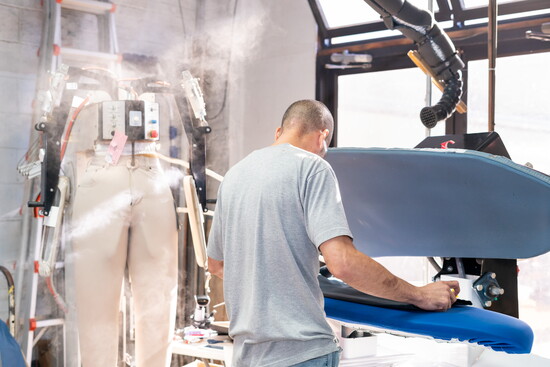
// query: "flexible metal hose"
[[445, 107]]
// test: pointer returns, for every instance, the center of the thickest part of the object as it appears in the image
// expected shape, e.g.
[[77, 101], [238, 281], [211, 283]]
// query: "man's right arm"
[[365, 274]]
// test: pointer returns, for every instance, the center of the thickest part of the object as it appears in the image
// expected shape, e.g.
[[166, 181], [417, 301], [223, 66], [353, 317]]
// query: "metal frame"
[[456, 12], [390, 53]]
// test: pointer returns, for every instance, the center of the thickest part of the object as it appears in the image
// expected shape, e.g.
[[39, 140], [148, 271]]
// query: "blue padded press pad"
[[465, 323], [448, 203]]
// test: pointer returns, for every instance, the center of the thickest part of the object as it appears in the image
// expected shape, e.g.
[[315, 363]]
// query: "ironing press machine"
[[465, 206]]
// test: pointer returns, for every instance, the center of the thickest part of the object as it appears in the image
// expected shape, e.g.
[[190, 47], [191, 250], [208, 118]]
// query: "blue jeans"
[[328, 360]]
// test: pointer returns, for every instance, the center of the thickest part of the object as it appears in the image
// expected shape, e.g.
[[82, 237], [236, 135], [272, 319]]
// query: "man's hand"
[[438, 296]]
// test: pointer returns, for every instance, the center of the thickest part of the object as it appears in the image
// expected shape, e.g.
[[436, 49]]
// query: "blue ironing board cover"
[[464, 323], [444, 203]]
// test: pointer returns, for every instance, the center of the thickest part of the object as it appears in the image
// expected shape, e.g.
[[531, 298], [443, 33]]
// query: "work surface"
[[396, 351], [203, 350], [448, 203]]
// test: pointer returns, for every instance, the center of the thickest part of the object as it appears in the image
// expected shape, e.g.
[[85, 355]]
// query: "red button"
[[154, 134]]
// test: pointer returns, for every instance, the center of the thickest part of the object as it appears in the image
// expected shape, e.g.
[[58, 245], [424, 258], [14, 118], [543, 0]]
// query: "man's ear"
[[323, 136], [278, 133]]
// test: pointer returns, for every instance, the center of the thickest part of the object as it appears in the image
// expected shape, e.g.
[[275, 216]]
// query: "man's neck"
[[304, 143]]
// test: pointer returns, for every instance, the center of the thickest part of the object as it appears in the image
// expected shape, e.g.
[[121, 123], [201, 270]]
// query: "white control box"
[[139, 120], [113, 118]]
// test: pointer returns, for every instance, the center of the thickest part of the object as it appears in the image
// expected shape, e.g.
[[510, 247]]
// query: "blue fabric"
[[447, 203], [10, 353], [465, 323], [328, 360]]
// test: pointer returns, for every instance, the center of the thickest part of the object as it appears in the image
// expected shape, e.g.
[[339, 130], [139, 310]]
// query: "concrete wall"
[[278, 69], [19, 39]]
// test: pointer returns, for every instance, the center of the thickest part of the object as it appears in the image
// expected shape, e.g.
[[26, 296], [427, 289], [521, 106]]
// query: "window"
[[382, 109], [342, 13], [339, 13], [482, 3], [522, 114], [522, 118]]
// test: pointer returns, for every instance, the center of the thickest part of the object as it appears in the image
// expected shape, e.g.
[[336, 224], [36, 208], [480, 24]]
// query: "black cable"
[[434, 263], [182, 19], [226, 83], [11, 300]]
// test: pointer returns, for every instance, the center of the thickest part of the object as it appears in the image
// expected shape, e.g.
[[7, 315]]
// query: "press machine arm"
[[434, 47], [196, 128]]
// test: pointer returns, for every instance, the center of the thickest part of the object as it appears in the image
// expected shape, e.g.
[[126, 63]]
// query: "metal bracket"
[[488, 289]]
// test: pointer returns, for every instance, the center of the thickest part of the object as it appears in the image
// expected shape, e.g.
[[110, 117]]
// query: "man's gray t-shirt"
[[274, 209]]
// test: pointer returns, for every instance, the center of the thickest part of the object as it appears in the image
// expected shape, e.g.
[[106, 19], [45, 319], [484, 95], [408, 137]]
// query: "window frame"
[[390, 53]]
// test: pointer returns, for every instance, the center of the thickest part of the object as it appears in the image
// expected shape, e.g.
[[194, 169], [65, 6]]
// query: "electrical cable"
[[182, 19], [56, 296], [11, 300], [70, 126], [228, 67], [460, 268], [434, 263]]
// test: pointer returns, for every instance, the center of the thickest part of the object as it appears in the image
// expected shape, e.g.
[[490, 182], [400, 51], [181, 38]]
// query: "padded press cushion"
[[442, 203], [465, 323]]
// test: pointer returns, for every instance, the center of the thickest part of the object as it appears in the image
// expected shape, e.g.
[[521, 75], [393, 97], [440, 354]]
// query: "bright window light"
[[382, 109], [508, 16], [521, 119], [342, 13], [482, 3], [365, 36]]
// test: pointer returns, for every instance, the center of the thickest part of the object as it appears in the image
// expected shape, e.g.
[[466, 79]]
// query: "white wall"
[[278, 69], [271, 47]]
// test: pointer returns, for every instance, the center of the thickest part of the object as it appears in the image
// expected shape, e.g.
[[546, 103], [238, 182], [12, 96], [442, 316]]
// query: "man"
[[276, 209]]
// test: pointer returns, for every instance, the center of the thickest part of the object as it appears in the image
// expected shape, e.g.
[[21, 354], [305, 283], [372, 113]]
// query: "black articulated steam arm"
[[434, 47]]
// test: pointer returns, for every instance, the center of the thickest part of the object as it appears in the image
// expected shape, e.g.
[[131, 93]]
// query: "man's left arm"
[[215, 267], [215, 240]]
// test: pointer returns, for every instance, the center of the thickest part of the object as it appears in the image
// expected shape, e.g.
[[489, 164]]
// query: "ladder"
[[53, 54], [108, 44]]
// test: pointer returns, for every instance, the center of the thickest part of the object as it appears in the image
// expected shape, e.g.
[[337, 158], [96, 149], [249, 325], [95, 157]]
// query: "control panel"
[[139, 120], [113, 118], [151, 118]]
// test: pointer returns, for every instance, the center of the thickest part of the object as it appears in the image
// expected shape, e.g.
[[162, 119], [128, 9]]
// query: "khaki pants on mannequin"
[[124, 215]]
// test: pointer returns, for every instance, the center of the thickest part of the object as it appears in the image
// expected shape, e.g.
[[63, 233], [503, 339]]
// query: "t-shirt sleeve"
[[323, 209], [214, 248]]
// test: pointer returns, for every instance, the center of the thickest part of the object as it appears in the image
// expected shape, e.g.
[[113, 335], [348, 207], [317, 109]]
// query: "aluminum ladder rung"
[[49, 322], [89, 6], [87, 55]]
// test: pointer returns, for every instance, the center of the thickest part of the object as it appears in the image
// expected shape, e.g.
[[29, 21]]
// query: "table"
[[220, 351]]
